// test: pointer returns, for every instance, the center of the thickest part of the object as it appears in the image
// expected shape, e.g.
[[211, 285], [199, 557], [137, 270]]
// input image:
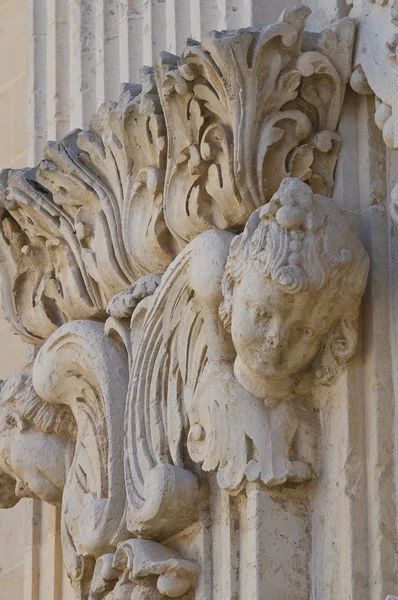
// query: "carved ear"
[[8, 498], [339, 346]]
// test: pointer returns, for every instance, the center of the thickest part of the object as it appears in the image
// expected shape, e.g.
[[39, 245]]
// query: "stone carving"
[[226, 350], [142, 569], [36, 443], [222, 354], [376, 68], [260, 108], [91, 219], [231, 289], [85, 367]]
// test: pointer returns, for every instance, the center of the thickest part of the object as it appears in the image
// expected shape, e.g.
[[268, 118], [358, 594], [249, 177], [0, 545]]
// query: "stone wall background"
[[13, 153], [14, 135]]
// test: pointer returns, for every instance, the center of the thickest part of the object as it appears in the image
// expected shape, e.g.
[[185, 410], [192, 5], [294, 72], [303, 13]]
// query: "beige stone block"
[[19, 134], [12, 41], [20, 162], [12, 536], [5, 128], [11, 584]]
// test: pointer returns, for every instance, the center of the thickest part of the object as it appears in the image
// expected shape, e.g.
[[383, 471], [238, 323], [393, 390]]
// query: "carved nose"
[[276, 341], [276, 335]]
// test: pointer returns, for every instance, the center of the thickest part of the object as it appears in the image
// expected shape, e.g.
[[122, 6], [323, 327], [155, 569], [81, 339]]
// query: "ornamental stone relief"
[[376, 68], [187, 281]]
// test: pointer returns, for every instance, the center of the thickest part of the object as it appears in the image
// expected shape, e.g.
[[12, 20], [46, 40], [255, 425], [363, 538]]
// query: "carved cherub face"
[[35, 443], [36, 461], [292, 286], [277, 334]]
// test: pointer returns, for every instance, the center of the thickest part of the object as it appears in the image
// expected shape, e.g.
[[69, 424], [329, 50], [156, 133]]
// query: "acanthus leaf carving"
[[83, 367], [44, 279], [248, 108], [219, 360], [113, 203], [89, 220]]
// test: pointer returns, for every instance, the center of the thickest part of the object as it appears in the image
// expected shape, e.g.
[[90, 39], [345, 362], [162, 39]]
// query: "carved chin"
[[269, 364], [272, 367]]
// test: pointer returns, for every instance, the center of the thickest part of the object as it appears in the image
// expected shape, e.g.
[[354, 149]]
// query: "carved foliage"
[[245, 109], [89, 221], [142, 569], [242, 110], [213, 372]]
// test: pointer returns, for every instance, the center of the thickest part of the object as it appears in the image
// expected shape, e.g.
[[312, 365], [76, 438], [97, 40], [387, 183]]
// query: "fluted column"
[[80, 51]]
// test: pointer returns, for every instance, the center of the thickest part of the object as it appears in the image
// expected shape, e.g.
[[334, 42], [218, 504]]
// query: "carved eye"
[[305, 332], [259, 313]]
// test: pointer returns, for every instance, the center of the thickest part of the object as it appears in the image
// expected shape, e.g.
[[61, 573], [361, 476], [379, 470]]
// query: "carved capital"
[[188, 282]]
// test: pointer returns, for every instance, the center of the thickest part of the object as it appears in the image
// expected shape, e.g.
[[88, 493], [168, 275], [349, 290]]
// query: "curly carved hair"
[[301, 242]]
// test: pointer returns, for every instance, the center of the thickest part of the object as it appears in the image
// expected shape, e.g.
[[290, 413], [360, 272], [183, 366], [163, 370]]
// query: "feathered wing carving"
[[44, 278], [185, 405], [89, 220], [170, 351], [245, 109], [86, 369]]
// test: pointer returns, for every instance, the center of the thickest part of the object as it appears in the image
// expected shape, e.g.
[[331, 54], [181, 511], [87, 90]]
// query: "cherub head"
[[35, 441], [292, 287]]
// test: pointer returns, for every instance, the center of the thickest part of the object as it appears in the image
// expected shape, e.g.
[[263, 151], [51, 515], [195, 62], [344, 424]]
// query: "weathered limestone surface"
[[211, 398], [13, 152]]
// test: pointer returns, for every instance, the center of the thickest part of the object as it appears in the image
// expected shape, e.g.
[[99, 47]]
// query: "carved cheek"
[[304, 350], [254, 335], [244, 329]]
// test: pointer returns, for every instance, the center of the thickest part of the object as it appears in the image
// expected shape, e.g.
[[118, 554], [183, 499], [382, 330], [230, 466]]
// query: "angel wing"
[[186, 407], [171, 334]]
